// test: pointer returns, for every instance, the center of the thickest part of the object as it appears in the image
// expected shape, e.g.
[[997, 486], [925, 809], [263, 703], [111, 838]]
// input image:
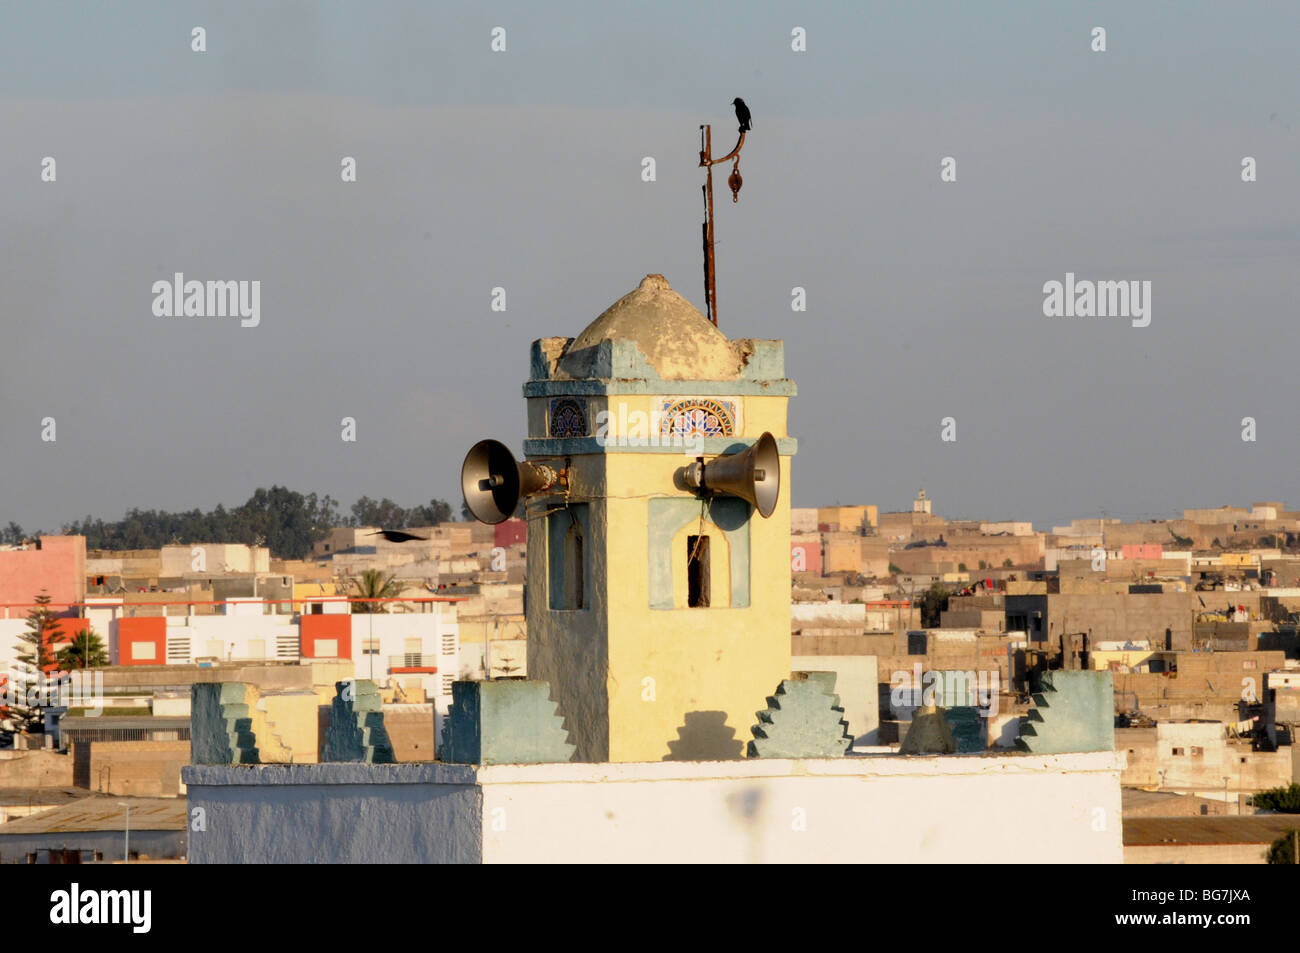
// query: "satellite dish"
[[493, 482], [753, 475]]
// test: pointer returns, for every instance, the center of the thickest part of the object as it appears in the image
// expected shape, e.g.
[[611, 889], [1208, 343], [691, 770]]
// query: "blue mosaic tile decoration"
[[568, 417]]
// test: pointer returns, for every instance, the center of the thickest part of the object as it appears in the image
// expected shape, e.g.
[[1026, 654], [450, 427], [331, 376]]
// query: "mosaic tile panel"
[[567, 418], [689, 417]]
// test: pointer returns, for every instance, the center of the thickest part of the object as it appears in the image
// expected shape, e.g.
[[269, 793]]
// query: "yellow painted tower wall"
[[639, 676], [711, 669]]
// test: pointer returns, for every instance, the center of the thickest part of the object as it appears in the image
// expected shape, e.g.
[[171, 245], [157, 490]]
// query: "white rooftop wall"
[[877, 809]]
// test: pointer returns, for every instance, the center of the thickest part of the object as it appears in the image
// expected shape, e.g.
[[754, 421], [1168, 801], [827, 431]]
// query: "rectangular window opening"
[[566, 547], [579, 584], [697, 572]]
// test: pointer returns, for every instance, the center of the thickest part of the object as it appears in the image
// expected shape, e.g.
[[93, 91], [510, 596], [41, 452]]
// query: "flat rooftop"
[[112, 722], [1177, 831], [97, 813], [42, 797]]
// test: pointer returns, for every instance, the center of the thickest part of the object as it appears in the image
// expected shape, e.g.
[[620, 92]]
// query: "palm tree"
[[86, 650], [373, 584]]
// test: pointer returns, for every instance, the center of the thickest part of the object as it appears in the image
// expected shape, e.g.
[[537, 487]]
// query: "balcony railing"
[[413, 661]]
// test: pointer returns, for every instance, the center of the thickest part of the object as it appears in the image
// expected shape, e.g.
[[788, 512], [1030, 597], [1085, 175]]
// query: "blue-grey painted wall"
[[341, 813], [668, 516]]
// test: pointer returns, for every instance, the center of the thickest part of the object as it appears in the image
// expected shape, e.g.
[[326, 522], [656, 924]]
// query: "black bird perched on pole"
[[742, 114]]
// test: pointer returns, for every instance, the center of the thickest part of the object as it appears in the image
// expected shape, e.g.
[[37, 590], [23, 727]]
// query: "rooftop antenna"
[[707, 162]]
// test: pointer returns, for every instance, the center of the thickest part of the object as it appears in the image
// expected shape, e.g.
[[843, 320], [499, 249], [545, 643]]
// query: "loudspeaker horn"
[[753, 475], [493, 482]]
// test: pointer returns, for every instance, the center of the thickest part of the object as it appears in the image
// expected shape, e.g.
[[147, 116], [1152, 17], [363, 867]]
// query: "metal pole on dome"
[[707, 162]]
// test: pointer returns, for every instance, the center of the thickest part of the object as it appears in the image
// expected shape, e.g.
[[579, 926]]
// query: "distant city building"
[[921, 504]]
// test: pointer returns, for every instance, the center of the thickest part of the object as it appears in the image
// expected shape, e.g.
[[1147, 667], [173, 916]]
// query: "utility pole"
[[911, 599], [126, 833], [707, 162], [487, 640]]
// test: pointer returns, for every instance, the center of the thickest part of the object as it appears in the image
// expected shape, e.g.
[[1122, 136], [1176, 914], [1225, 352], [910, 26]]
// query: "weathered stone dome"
[[676, 340]]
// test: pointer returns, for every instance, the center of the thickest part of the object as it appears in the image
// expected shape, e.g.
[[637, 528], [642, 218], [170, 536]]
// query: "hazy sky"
[[522, 170]]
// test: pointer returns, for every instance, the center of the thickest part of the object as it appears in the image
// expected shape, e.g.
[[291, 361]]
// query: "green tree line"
[[287, 522]]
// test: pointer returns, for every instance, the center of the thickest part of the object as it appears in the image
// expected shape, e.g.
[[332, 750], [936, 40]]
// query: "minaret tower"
[[659, 614]]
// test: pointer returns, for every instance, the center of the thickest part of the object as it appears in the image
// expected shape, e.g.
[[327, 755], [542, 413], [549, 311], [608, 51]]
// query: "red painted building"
[[142, 641], [326, 636], [510, 532]]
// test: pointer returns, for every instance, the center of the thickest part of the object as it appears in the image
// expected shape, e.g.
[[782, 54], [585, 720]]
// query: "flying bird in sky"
[[742, 114], [397, 536]]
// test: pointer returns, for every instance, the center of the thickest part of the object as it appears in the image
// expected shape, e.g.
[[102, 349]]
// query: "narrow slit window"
[[574, 583], [578, 582], [697, 572]]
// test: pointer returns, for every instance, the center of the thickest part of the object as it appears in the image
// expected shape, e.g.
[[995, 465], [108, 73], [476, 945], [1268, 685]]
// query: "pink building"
[[1142, 551], [806, 555], [56, 565]]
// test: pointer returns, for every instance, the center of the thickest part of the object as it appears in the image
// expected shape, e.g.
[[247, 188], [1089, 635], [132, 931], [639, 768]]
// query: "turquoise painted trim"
[[576, 446], [557, 528], [590, 387], [539, 368], [767, 362], [764, 360], [667, 517], [608, 359], [507, 722]]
